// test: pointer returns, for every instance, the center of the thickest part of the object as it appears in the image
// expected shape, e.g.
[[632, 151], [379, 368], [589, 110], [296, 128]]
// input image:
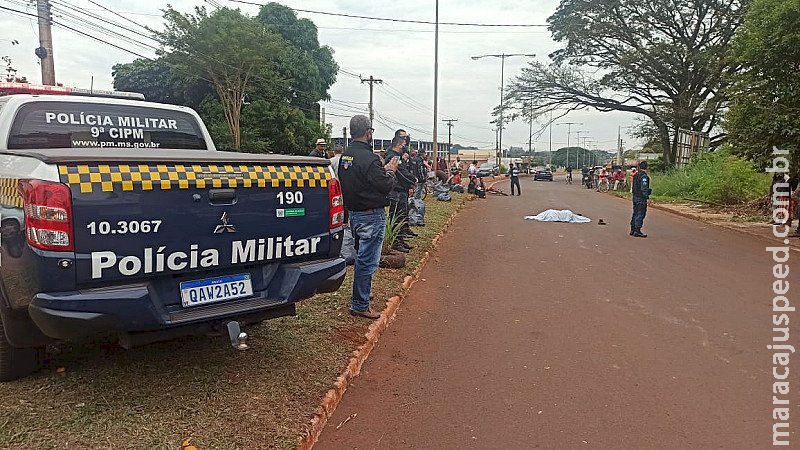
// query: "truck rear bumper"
[[144, 307]]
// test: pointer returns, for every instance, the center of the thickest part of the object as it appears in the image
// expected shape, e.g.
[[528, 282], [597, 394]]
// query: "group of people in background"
[[596, 176]]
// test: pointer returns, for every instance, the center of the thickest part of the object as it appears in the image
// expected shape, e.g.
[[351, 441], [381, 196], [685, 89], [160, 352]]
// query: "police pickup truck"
[[118, 217]]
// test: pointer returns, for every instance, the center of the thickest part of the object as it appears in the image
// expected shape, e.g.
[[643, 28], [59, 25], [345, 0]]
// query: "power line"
[[78, 31], [102, 30], [121, 16], [386, 19]]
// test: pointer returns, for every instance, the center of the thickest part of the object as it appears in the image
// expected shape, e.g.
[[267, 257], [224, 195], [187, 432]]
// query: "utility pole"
[[449, 136], [371, 82], [569, 131], [550, 147], [344, 135], [619, 147], [530, 130], [502, 57], [45, 50], [436, 88]]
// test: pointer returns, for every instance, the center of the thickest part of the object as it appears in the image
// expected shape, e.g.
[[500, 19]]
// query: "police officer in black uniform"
[[398, 198], [641, 192]]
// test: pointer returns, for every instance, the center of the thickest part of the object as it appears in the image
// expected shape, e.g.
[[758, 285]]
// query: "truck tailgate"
[[139, 220]]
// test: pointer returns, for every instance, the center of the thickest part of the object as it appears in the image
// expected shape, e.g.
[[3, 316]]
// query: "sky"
[[400, 54]]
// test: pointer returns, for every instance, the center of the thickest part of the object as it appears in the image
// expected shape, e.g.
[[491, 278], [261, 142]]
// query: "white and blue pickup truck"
[[118, 217]]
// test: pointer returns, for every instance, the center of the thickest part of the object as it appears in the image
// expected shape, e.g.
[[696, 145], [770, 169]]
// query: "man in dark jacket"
[[641, 192], [398, 198], [366, 183]]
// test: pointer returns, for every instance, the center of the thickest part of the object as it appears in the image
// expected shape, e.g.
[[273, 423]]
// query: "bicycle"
[[603, 185], [622, 186], [428, 187]]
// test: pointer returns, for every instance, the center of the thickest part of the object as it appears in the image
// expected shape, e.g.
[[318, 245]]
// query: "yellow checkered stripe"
[[134, 177], [9, 193]]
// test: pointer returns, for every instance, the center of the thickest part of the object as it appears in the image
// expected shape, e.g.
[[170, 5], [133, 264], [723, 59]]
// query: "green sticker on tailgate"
[[291, 212]]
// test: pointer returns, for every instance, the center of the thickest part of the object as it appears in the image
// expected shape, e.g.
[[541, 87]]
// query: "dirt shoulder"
[[731, 221]]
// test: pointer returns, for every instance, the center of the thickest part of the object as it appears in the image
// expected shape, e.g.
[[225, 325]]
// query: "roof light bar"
[[7, 88]]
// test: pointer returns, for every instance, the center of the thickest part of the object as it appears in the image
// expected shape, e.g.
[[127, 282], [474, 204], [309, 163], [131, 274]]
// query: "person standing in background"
[[641, 193], [319, 149], [513, 172], [420, 172], [398, 198], [337, 155]]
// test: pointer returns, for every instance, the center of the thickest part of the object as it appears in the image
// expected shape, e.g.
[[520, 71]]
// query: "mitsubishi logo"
[[225, 227]]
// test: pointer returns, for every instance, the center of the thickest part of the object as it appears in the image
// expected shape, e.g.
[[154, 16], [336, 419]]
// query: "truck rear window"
[[75, 125]]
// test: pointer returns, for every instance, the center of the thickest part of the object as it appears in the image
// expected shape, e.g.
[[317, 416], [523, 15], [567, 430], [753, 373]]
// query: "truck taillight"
[[337, 203], [48, 209]]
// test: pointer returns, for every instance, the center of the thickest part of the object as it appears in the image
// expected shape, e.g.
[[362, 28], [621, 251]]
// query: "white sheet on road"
[[555, 215]]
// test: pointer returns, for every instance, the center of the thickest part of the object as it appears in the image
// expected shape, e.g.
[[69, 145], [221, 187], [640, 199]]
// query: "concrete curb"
[[334, 395]]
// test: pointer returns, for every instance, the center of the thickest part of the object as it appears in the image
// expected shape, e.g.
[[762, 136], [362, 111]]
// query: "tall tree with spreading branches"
[[666, 60], [765, 94], [232, 51]]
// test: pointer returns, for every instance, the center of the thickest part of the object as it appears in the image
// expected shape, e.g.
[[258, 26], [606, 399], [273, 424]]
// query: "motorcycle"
[[587, 181]]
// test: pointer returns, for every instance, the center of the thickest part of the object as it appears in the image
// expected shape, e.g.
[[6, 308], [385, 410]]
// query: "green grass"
[[155, 396], [718, 178]]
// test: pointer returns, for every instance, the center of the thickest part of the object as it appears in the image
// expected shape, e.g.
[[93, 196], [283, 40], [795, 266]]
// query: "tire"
[[17, 362], [603, 187]]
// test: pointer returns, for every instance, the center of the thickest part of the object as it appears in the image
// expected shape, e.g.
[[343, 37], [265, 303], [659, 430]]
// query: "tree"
[[765, 93], [161, 81], [230, 50], [309, 67], [663, 59]]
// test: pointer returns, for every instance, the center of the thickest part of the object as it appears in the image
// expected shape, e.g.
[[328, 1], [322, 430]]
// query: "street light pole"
[[502, 57], [436, 87], [569, 130]]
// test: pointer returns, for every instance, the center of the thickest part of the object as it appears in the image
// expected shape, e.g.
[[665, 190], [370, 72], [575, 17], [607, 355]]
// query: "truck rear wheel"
[[17, 362]]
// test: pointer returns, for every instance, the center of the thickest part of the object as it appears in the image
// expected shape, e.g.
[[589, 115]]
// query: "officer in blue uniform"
[[641, 192]]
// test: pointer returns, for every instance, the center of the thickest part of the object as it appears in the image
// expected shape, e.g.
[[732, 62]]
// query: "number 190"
[[290, 198]]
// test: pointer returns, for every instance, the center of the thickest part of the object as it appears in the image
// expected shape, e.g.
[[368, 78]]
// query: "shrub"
[[717, 177], [393, 227]]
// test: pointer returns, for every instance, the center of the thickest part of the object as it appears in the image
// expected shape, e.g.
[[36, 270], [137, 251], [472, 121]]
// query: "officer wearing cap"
[[641, 192]]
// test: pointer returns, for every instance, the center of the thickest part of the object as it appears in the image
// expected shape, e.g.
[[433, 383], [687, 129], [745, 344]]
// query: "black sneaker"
[[403, 243], [639, 234], [401, 248]]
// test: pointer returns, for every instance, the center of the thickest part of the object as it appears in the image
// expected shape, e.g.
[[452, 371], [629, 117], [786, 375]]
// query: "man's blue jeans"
[[418, 191], [368, 230]]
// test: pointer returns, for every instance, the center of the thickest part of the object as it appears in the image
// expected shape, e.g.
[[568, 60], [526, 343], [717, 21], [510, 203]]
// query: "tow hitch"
[[237, 336]]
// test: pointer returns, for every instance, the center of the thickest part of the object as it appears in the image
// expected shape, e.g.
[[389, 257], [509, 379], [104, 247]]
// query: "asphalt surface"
[[522, 334]]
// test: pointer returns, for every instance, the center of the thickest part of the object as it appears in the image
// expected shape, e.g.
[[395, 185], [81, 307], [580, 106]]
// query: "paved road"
[[577, 336]]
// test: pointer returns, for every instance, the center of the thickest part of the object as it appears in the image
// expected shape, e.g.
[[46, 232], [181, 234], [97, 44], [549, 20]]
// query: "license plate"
[[212, 290]]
